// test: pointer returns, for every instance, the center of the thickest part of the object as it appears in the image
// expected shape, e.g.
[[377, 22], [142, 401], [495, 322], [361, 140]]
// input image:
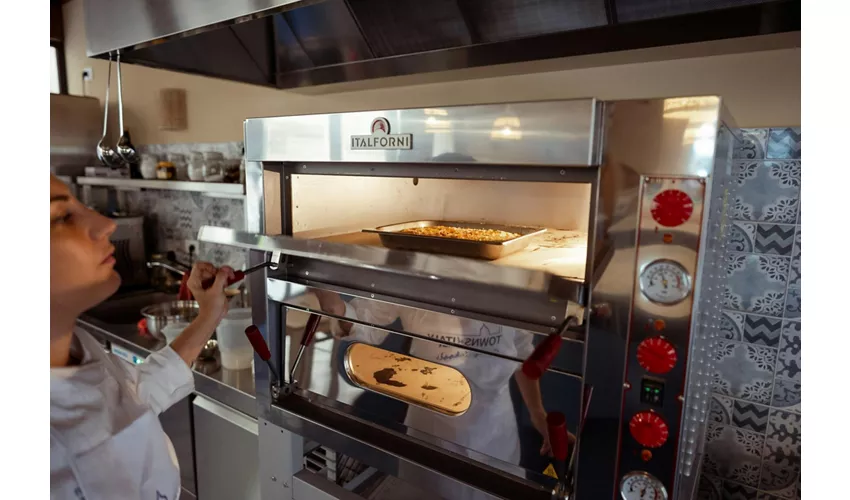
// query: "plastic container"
[[236, 351], [172, 330], [148, 166], [196, 166]]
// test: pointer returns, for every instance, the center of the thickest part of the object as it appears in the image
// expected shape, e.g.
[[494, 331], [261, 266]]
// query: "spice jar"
[[165, 171], [212, 166], [148, 166], [180, 166], [196, 166], [230, 170]]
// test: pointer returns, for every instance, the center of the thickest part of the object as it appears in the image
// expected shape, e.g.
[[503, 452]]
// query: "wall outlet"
[[88, 74]]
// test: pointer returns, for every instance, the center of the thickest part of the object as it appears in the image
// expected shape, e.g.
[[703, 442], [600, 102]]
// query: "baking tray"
[[392, 238]]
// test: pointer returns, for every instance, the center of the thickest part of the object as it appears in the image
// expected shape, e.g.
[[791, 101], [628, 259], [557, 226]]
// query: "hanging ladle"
[[124, 148], [105, 153]]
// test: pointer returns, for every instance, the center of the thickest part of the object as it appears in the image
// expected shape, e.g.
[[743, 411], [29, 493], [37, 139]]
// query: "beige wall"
[[761, 87]]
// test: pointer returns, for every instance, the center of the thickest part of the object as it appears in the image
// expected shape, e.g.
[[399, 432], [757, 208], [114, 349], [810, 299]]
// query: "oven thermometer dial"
[[642, 486], [665, 282]]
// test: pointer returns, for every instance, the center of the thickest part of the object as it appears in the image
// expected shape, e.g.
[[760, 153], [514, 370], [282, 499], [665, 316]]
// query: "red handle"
[[558, 436], [237, 276], [536, 365], [310, 329], [256, 339]]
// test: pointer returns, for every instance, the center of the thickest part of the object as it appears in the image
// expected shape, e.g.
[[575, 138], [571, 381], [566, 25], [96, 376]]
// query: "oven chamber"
[[633, 198]]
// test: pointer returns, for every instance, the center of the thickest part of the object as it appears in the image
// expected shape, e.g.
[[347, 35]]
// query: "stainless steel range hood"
[[292, 43]]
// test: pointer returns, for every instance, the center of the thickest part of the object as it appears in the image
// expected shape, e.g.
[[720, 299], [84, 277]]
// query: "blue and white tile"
[[786, 394], [742, 237], [756, 283], [744, 371], [783, 143], [752, 145], [794, 274], [732, 325], [793, 303], [733, 454], [788, 358], [767, 191], [780, 475], [762, 330], [721, 409], [750, 416], [776, 239], [736, 491], [798, 239]]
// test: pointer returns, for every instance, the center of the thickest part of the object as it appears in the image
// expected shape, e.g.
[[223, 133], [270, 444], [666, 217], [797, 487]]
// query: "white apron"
[[106, 441]]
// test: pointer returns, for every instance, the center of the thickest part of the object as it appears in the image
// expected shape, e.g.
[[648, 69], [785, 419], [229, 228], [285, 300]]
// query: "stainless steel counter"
[[233, 388]]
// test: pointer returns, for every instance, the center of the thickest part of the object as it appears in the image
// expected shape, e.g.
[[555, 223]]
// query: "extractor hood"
[[292, 43]]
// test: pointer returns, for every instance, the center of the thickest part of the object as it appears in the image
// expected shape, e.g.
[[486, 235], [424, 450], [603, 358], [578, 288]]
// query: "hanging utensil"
[[105, 153], [124, 148]]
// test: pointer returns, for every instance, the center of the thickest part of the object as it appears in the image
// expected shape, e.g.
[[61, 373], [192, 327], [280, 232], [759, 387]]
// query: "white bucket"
[[236, 351]]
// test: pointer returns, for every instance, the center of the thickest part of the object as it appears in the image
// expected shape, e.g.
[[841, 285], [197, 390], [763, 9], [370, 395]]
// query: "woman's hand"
[[212, 302]]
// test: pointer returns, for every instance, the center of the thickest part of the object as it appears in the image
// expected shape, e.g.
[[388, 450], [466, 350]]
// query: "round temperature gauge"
[[642, 486], [665, 282]]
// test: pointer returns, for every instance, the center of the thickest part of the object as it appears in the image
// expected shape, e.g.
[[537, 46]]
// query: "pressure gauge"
[[665, 282], [639, 485]]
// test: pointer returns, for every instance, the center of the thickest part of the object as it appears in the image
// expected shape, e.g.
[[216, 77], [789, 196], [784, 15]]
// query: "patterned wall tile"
[[786, 394], [750, 416], [733, 454], [794, 274], [756, 283], [783, 143], [777, 239], [762, 330], [792, 303], [767, 191], [732, 325], [721, 409], [780, 475], [788, 359], [734, 491], [744, 371], [709, 488], [742, 237], [797, 242], [752, 145]]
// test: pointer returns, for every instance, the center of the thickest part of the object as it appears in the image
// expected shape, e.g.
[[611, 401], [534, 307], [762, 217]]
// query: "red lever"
[[536, 365], [310, 329], [255, 337], [558, 435], [237, 275]]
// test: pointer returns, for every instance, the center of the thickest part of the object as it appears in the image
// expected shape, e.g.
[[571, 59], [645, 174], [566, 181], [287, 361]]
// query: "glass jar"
[[230, 171], [180, 166], [148, 166], [212, 166], [196, 166], [165, 171]]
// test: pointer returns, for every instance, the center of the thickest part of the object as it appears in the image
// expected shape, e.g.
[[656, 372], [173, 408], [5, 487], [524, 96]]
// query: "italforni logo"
[[381, 138]]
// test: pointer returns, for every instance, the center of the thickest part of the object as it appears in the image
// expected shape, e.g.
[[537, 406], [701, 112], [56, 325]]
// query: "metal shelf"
[[211, 188]]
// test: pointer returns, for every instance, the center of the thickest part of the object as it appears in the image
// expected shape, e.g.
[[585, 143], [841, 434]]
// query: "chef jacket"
[[106, 441]]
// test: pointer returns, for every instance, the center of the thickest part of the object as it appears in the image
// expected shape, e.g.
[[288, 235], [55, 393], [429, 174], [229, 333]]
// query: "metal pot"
[[159, 315]]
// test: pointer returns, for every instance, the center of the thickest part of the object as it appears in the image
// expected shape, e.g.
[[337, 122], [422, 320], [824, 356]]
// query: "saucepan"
[[159, 315]]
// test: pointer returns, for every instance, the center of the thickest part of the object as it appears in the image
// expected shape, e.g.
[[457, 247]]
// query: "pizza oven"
[[493, 301]]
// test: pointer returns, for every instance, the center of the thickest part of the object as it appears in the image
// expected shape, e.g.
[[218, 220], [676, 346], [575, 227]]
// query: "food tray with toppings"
[[464, 239]]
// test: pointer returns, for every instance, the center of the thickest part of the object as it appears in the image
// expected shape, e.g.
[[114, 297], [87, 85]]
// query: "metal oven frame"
[[627, 151]]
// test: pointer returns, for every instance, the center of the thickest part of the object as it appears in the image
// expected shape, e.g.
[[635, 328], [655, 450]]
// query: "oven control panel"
[[659, 335]]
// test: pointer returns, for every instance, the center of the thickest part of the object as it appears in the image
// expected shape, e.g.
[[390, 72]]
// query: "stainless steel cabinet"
[[177, 423], [226, 452]]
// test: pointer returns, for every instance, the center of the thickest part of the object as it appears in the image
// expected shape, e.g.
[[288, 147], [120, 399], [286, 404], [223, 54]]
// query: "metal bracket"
[[276, 258]]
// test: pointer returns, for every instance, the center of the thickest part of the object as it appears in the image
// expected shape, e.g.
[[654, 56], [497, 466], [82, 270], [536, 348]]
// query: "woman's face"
[[81, 261]]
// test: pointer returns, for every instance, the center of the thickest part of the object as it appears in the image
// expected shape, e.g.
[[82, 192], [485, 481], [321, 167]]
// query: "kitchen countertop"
[[233, 388]]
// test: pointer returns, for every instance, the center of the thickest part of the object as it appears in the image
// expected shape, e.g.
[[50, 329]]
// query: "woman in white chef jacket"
[[489, 426], [106, 441]]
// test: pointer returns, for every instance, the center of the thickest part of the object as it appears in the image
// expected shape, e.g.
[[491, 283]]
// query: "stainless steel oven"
[[434, 251]]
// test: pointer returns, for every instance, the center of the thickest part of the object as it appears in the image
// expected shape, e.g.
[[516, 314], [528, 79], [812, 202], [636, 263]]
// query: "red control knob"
[[672, 208], [649, 429], [656, 355]]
